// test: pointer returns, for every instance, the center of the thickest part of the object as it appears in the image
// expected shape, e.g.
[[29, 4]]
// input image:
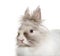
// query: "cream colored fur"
[[40, 42]]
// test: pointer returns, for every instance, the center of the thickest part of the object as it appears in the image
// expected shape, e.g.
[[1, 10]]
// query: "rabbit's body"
[[34, 39], [50, 47]]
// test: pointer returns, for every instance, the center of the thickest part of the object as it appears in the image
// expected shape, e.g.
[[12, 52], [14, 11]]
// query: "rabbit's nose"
[[22, 40]]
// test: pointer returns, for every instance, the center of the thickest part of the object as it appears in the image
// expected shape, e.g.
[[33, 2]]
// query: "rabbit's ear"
[[37, 15], [26, 15], [27, 11]]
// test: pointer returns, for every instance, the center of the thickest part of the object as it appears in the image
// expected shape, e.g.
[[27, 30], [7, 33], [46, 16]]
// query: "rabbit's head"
[[31, 32]]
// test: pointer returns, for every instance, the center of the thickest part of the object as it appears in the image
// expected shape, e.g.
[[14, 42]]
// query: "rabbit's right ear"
[[37, 15], [26, 14]]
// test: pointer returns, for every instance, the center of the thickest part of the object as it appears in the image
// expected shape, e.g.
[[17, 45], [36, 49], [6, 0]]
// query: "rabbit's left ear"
[[37, 15]]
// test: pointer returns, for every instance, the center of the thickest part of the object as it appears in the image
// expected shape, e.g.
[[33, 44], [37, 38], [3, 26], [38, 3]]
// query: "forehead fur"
[[30, 25]]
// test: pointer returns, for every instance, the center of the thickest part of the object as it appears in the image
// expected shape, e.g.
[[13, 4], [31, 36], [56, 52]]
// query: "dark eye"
[[31, 31], [18, 34]]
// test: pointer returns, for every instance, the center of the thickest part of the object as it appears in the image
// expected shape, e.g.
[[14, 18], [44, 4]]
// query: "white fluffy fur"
[[51, 47], [46, 43]]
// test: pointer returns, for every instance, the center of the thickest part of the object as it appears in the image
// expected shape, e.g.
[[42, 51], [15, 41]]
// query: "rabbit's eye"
[[31, 31], [18, 34]]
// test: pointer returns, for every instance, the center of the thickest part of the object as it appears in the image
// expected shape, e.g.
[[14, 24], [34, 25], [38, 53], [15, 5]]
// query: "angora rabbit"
[[34, 39]]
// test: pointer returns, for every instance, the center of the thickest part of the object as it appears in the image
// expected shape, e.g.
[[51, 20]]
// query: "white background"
[[11, 10]]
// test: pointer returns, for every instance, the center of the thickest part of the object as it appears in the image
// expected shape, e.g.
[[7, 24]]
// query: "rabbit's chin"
[[23, 44]]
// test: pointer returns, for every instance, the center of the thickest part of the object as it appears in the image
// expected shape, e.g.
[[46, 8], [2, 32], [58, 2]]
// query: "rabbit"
[[34, 39]]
